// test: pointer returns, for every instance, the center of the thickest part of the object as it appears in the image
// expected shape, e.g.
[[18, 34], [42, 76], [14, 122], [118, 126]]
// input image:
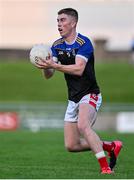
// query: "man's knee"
[[70, 146], [82, 126]]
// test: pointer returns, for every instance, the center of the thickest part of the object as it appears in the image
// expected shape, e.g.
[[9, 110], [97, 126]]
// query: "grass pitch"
[[24, 154], [21, 81]]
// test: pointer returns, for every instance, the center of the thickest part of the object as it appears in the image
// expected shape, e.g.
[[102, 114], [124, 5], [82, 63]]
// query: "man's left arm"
[[74, 69]]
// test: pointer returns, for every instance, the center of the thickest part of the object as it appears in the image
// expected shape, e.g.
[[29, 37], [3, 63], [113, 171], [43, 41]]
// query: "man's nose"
[[59, 24]]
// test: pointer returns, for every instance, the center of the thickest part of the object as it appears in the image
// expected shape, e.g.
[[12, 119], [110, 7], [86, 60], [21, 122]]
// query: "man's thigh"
[[71, 133], [87, 114]]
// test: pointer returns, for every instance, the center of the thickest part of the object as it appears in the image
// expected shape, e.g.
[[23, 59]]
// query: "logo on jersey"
[[73, 52], [68, 49], [68, 54], [60, 52]]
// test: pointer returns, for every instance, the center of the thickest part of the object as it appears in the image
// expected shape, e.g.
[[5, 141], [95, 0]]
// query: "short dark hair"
[[69, 11]]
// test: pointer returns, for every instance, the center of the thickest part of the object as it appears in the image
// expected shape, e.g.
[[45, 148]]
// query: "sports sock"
[[108, 146], [102, 159]]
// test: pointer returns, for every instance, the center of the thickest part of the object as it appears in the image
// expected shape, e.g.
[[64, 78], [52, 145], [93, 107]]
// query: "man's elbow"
[[80, 69], [79, 72]]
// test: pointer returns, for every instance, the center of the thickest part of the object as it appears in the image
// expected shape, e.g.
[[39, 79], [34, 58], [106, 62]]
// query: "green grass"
[[23, 82], [116, 81], [39, 155]]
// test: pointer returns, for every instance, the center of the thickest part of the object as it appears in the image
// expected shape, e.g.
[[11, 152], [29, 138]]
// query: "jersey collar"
[[73, 40]]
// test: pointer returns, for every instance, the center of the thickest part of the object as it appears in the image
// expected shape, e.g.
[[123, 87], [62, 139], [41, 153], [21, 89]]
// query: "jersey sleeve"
[[85, 50]]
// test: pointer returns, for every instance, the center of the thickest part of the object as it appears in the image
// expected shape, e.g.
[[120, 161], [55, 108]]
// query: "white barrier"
[[37, 116], [125, 122]]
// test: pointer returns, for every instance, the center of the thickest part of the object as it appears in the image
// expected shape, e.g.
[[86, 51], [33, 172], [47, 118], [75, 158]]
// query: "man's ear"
[[73, 23]]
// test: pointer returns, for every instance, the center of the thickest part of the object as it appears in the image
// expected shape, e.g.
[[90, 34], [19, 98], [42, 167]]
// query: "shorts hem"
[[70, 120]]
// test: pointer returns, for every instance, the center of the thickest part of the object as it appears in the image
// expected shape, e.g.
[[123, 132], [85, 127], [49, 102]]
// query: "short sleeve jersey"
[[78, 86]]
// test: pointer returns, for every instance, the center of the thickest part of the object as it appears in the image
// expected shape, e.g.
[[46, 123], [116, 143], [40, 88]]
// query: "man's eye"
[[62, 19]]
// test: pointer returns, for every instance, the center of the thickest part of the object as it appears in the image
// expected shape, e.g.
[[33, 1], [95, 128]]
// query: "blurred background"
[[27, 101]]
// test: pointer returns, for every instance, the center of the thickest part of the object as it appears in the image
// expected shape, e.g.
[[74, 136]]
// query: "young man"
[[76, 56]]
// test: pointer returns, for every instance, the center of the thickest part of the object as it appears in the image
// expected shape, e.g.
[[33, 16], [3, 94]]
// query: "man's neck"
[[71, 37]]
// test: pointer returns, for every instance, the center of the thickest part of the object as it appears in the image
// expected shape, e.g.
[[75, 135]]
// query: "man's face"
[[66, 24]]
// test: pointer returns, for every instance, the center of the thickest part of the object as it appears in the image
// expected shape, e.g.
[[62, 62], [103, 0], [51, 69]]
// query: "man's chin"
[[63, 35]]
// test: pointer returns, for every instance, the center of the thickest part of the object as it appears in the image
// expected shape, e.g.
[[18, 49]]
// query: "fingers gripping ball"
[[39, 51]]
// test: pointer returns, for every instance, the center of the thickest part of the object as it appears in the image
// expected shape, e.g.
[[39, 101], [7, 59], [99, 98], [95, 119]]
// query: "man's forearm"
[[73, 69]]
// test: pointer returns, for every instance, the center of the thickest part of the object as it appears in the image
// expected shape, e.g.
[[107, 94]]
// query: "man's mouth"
[[60, 29]]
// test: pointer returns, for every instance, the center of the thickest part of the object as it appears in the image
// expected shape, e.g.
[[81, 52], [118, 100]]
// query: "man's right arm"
[[48, 73]]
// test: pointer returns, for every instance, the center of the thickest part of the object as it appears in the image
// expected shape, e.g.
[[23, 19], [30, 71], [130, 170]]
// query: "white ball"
[[39, 51]]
